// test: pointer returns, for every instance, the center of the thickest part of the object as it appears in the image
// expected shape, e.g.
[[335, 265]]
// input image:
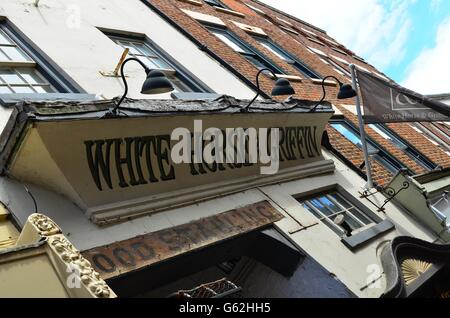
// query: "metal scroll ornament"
[[392, 193]]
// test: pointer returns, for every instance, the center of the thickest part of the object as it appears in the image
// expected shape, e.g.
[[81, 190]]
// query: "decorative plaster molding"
[[74, 260], [44, 225], [118, 212]]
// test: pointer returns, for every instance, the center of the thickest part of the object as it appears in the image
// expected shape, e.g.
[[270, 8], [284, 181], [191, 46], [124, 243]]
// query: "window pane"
[[260, 64], [145, 54], [160, 63], [278, 51], [22, 89], [10, 77], [364, 219], [4, 38], [31, 76], [388, 136], [154, 59], [303, 69], [150, 63], [145, 50], [14, 54], [388, 164], [275, 51], [214, 3], [329, 204], [230, 42], [336, 228], [353, 137], [352, 222], [341, 201], [317, 215], [3, 57], [320, 206], [133, 50], [338, 67], [5, 90], [44, 89]]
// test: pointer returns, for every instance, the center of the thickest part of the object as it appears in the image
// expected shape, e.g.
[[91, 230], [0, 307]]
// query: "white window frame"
[[328, 220], [52, 76], [181, 79]]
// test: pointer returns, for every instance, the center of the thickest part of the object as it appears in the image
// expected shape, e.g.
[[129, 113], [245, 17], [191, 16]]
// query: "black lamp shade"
[[346, 91], [156, 83], [283, 87]]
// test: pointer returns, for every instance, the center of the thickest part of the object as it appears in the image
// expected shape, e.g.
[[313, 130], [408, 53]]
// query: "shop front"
[[156, 224]]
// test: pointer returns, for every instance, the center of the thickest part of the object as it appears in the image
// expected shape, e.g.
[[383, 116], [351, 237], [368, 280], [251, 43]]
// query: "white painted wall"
[[354, 268], [66, 30]]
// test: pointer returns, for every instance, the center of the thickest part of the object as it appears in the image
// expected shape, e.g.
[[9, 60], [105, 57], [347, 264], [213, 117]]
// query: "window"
[[282, 54], [377, 153], [328, 207], [437, 134], [251, 55], [24, 71], [412, 153], [155, 58], [23, 80], [215, 3], [328, 60], [338, 68]]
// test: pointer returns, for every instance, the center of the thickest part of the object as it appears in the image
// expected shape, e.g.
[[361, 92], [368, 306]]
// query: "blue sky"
[[426, 16], [409, 40]]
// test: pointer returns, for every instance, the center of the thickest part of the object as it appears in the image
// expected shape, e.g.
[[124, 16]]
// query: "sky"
[[409, 40]]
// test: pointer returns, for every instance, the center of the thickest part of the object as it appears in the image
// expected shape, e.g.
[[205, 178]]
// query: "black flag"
[[387, 102]]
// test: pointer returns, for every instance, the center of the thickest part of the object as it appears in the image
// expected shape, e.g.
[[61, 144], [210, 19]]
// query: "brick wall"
[[296, 44]]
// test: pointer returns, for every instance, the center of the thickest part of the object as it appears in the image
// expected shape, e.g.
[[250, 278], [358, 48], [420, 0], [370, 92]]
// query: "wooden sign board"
[[142, 251], [116, 169]]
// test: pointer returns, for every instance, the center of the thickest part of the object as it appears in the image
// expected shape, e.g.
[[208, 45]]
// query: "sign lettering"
[[137, 161], [121, 257]]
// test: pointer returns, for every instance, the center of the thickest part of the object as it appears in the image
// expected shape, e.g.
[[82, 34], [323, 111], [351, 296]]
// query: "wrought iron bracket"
[[390, 192]]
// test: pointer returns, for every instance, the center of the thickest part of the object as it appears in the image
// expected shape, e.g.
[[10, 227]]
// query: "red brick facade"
[[295, 36]]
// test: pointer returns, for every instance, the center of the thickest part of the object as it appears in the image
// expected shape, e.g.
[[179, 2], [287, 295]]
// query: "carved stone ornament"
[[412, 269], [82, 267], [44, 225]]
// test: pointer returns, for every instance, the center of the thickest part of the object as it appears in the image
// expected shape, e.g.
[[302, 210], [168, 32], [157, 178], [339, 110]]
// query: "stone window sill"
[[358, 240], [12, 99]]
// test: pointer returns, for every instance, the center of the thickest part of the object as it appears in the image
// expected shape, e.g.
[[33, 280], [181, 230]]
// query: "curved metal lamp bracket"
[[114, 111], [245, 110], [324, 91]]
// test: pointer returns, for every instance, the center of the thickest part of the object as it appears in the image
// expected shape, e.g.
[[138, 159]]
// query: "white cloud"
[[377, 30], [428, 74], [435, 4]]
